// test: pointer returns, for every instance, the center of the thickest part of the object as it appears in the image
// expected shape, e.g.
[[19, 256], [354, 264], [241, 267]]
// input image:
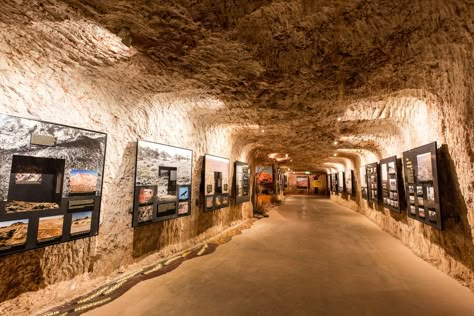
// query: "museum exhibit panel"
[[329, 183], [348, 176], [242, 182], [216, 182], [163, 179], [50, 183], [421, 184], [391, 193], [302, 182], [340, 182], [334, 182], [373, 182], [363, 183]]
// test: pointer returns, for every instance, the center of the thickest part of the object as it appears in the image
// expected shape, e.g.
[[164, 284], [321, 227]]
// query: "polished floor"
[[311, 257]]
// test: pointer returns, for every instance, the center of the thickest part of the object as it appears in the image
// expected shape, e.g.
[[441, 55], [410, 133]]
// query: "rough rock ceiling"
[[290, 68]]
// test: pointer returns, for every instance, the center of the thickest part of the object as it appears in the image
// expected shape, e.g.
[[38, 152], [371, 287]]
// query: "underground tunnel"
[[280, 145]]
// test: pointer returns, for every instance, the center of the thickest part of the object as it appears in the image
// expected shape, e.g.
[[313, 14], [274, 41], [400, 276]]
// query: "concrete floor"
[[311, 257]]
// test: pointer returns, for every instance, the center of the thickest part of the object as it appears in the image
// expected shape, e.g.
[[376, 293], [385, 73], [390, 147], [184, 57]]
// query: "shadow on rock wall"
[[456, 237], [146, 239], [20, 273]]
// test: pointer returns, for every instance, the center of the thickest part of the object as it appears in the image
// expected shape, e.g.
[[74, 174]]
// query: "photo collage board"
[[50, 183], [390, 191], [363, 183], [242, 182], [329, 183], [302, 182], [421, 184], [334, 182], [216, 182], [163, 182], [372, 182], [340, 183], [348, 177]]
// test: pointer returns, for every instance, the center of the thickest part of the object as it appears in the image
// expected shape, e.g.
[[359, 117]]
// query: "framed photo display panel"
[[421, 183], [348, 179], [216, 182], [163, 182], [363, 182], [334, 182], [329, 182], [373, 182], [51, 179], [391, 193], [242, 182], [340, 182]]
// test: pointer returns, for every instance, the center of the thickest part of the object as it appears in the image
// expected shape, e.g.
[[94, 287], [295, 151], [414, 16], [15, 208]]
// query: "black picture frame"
[[363, 183], [241, 182], [392, 193], [341, 182], [373, 183], [216, 173], [349, 181], [422, 186], [168, 169], [81, 210], [334, 182], [328, 179]]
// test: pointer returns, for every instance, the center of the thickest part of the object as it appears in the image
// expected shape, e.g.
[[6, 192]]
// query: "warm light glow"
[[263, 131], [335, 155], [338, 119], [335, 142]]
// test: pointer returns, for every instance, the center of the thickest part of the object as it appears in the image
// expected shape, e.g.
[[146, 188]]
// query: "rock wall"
[[79, 74], [423, 118]]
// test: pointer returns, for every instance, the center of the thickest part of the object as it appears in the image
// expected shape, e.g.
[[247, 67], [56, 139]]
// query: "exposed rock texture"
[[241, 79]]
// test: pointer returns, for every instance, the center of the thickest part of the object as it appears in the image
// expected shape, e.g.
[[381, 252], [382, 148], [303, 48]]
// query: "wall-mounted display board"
[[334, 182], [163, 177], [373, 182], [242, 182], [389, 170], [329, 182], [349, 182], [421, 182], [216, 182], [302, 182], [363, 182], [340, 182], [50, 183]]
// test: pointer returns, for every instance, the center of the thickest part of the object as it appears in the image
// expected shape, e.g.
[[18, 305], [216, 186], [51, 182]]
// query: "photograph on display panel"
[[216, 181], [163, 178], [421, 182], [13, 233], [46, 169]]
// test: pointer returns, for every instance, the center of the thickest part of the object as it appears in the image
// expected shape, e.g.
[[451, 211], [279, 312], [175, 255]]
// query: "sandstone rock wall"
[[77, 73]]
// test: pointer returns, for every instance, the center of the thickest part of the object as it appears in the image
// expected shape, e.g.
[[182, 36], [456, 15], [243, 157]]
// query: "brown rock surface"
[[240, 79]]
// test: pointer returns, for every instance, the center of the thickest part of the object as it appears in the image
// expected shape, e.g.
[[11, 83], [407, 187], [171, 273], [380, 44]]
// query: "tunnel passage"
[[299, 85]]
